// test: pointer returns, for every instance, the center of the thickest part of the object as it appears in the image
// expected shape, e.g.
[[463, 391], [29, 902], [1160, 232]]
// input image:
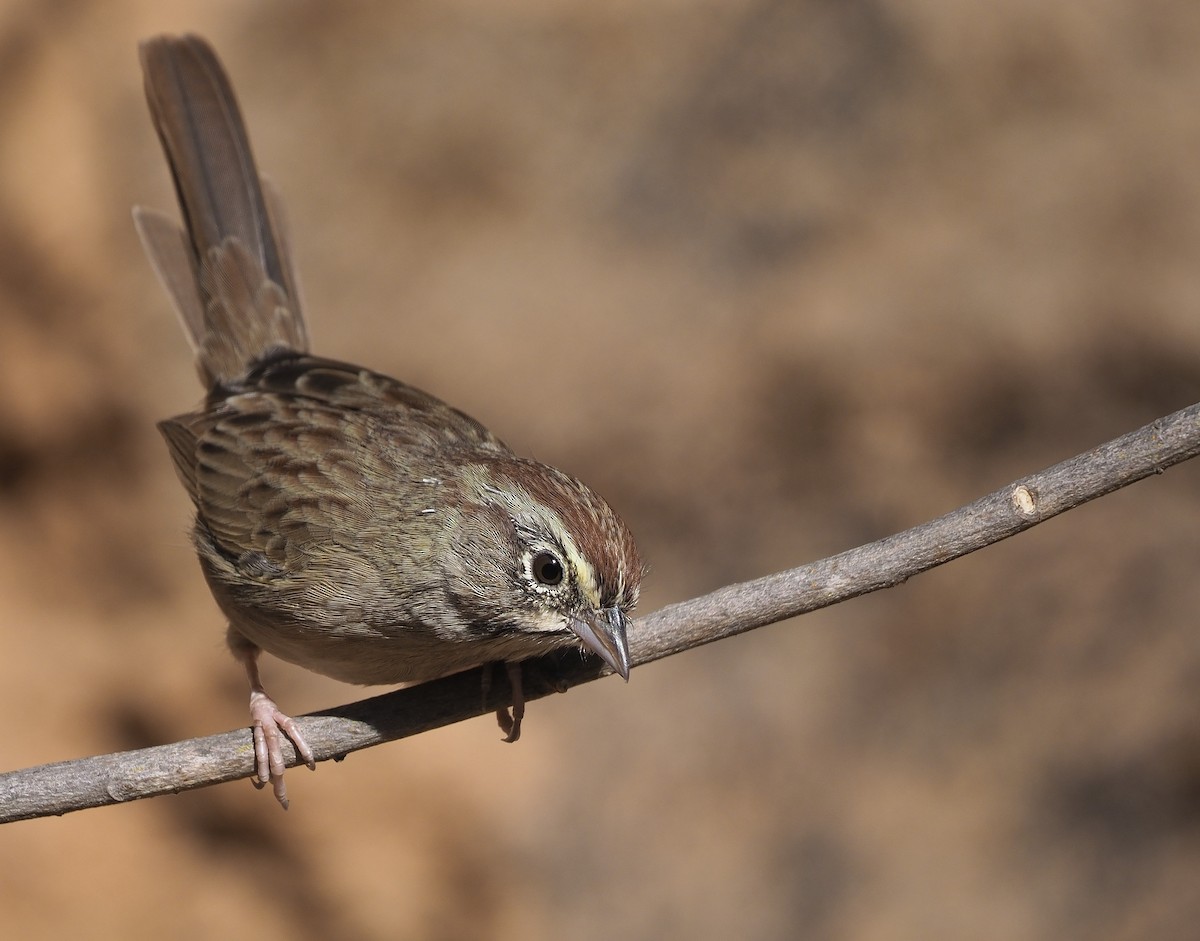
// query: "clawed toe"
[[510, 723], [270, 726]]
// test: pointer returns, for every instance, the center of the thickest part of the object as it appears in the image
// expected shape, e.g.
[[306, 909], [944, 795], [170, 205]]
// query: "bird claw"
[[510, 722], [270, 726]]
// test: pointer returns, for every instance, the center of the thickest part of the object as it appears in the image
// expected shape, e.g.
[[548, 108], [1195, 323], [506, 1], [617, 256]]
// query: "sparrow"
[[345, 521]]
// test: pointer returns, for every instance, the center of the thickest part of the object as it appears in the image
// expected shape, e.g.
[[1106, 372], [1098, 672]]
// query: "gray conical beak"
[[603, 633]]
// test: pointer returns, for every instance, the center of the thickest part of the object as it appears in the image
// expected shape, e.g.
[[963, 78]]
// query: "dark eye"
[[546, 569]]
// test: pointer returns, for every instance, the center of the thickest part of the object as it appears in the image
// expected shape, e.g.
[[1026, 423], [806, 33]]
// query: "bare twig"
[[107, 779]]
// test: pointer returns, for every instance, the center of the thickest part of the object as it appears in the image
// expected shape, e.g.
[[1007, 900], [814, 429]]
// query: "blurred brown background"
[[778, 278]]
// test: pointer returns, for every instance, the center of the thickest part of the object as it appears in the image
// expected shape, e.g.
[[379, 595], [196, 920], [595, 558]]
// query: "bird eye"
[[546, 569]]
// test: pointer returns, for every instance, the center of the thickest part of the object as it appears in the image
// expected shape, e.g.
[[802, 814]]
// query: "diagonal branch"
[[66, 786]]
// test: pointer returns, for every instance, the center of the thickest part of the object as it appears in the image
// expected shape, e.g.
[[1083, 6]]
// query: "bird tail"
[[228, 271]]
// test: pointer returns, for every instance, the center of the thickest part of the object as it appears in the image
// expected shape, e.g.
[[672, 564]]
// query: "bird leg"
[[269, 725]]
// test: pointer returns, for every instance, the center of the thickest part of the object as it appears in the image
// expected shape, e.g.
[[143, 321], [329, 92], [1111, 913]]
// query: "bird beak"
[[603, 633]]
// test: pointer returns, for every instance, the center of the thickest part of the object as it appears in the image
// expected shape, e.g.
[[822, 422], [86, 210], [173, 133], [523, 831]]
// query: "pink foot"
[[270, 726]]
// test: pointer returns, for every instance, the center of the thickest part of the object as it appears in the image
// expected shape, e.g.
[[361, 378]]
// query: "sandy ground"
[[777, 278]]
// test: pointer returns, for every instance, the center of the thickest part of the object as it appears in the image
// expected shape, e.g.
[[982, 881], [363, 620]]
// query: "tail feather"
[[228, 272]]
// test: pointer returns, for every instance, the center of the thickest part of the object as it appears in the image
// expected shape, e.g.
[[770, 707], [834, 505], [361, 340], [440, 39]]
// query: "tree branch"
[[66, 786]]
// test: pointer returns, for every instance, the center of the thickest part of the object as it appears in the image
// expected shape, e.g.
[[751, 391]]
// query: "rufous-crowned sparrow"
[[345, 521]]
